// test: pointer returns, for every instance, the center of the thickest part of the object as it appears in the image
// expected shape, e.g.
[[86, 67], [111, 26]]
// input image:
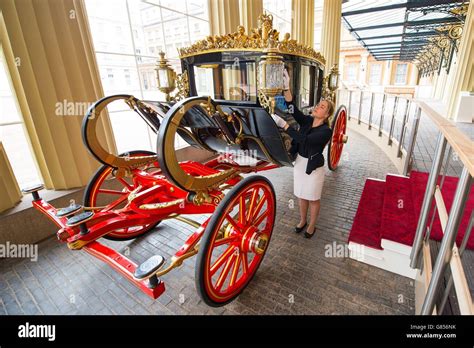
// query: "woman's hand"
[[281, 123]]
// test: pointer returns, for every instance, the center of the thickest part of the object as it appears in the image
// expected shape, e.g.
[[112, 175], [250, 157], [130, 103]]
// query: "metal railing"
[[448, 254], [396, 129], [381, 111]]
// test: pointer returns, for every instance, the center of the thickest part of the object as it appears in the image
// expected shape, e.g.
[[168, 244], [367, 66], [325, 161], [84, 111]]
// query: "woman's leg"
[[313, 213], [303, 203]]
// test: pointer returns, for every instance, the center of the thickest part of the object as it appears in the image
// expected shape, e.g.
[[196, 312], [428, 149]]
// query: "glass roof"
[[397, 29]]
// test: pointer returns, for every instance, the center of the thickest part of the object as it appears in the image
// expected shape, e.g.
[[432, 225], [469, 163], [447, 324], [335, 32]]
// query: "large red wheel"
[[235, 241], [104, 189], [339, 137]]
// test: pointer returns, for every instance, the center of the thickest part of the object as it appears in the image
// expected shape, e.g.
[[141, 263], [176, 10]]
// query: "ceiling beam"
[[409, 5], [426, 33], [385, 44], [374, 9], [409, 23], [385, 48]]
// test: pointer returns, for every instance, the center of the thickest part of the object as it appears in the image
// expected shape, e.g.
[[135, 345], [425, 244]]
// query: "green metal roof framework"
[[398, 29]]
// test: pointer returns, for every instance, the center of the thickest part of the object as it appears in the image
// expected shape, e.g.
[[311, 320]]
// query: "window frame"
[[131, 24]]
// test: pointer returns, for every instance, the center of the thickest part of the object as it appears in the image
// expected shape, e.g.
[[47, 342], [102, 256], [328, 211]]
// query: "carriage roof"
[[256, 40]]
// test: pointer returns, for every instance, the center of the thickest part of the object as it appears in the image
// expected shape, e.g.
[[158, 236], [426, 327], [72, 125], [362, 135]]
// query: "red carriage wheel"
[[235, 241], [339, 137], [104, 189]]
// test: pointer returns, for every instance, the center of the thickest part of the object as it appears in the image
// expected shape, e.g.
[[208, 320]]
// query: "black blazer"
[[308, 141]]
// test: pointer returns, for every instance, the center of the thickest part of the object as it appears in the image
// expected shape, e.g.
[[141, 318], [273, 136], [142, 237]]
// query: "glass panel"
[[401, 74], [350, 72], [234, 82], [109, 25], [19, 154], [118, 74], [375, 74], [137, 33], [305, 83], [204, 81], [198, 29], [8, 108], [130, 132], [281, 12], [14, 137], [198, 8]]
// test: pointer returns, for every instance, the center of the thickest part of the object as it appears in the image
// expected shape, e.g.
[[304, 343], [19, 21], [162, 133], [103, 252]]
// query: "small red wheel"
[[339, 137], [104, 189], [235, 241]]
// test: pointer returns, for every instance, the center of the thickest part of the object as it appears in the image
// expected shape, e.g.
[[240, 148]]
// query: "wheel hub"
[[253, 241]]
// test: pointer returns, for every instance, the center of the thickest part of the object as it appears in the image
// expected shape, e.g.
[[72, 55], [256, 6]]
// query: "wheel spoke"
[[259, 206], [259, 220], [235, 271], [242, 209], [227, 253], [232, 222], [115, 203], [252, 203], [225, 272], [111, 192], [223, 241], [245, 263], [125, 183]]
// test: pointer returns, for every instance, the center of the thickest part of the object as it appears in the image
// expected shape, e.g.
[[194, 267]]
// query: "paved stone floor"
[[296, 276]]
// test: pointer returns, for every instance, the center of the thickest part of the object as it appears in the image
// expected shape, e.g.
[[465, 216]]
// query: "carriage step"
[[34, 191], [79, 218], [68, 211], [148, 268]]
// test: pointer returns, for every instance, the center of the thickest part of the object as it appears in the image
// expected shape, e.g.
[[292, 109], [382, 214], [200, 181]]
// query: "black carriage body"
[[208, 76], [296, 65]]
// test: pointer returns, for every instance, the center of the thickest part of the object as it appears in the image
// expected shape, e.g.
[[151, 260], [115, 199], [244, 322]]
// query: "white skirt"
[[306, 186]]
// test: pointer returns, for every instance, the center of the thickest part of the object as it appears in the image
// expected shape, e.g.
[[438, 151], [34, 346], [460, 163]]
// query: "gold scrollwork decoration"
[[257, 39]]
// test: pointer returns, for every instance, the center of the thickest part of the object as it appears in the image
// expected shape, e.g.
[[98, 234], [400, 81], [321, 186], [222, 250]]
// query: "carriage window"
[[305, 83], [227, 81], [204, 81]]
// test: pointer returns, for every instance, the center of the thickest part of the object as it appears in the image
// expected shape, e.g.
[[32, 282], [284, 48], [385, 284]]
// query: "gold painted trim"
[[161, 205], [125, 164], [177, 174], [256, 40], [188, 221], [321, 60]]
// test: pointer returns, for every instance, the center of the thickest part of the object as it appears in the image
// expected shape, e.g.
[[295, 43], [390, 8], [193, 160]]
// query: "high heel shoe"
[[310, 235], [300, 229]]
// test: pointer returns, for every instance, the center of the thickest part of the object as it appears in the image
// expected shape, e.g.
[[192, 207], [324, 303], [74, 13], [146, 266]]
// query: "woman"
[[308, 142]]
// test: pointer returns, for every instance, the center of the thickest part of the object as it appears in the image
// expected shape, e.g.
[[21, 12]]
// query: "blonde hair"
[[331, 108]]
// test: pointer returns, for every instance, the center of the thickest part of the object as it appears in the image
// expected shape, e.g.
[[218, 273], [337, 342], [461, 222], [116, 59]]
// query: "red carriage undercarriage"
[[132, 193]]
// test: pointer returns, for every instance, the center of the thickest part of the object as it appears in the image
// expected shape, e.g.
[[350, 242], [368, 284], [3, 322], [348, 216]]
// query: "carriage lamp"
[[270, 78], [166, 76], [334, 78]]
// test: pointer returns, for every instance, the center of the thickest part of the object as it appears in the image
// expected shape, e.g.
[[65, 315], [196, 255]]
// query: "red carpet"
[[419, 181], [390, 210], [398, 216], [366, 225]]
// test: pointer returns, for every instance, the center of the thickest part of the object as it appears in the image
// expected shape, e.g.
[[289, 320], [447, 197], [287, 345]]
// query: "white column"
[[52, 47], [331, 32], [223, 16], [302, 21], [249, 10]]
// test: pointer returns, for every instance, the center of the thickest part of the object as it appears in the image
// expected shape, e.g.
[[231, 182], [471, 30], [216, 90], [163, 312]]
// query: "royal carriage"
[[220, 103]]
